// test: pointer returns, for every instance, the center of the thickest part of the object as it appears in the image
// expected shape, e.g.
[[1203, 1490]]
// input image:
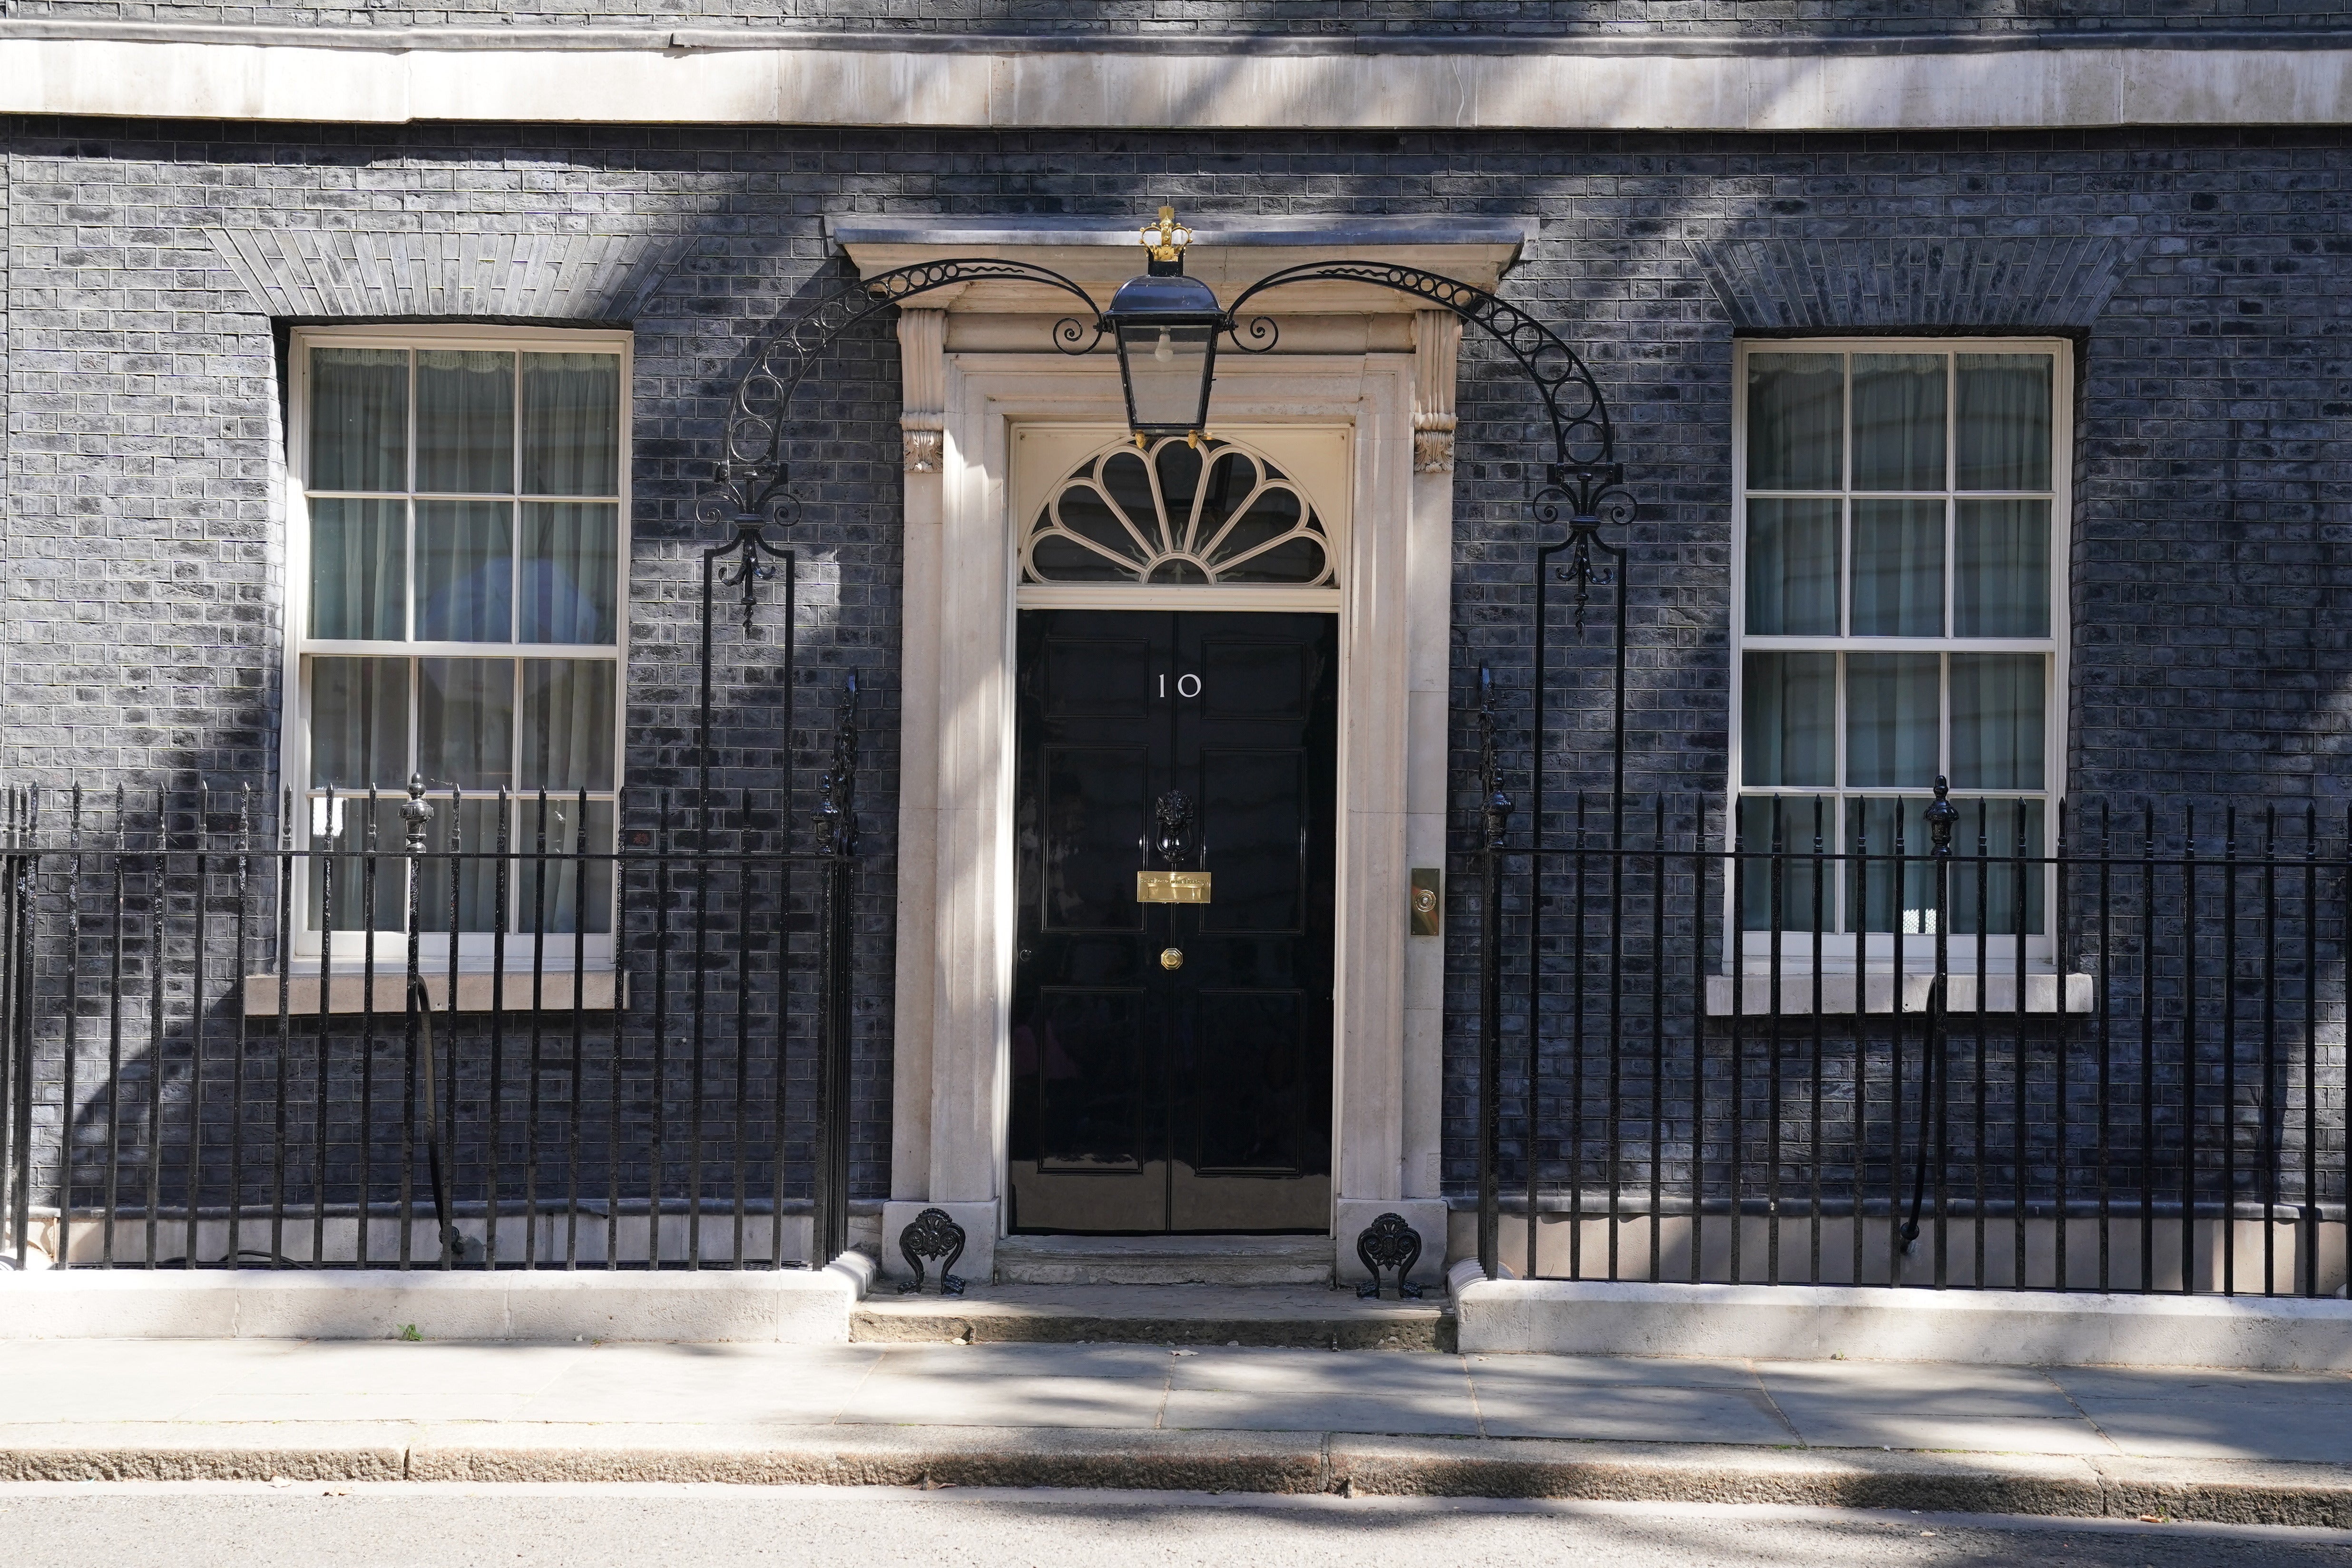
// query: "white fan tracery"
[[1177, 514]]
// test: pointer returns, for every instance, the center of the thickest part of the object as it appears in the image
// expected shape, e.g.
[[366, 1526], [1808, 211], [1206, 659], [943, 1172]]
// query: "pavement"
[[451, 1525], [2245, 1448]]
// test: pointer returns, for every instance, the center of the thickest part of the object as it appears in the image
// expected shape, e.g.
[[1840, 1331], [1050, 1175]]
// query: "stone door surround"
[[976, 366]]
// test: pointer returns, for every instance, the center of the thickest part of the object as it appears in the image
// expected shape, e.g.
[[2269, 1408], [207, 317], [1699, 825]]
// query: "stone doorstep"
[[1146, 1260], [2222, 1490], [1301, 1317]]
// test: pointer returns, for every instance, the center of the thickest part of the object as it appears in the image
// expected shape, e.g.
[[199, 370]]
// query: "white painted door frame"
[[956, 915]]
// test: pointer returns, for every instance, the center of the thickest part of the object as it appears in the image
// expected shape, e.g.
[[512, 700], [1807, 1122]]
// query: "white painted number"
[[1188, 686]]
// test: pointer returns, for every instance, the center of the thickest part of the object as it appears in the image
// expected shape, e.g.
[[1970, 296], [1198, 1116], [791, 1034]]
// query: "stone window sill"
[[559, 991], [1877, 991]]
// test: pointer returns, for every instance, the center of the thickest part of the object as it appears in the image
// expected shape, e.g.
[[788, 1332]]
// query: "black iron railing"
[[232, 1033], [1946, 1047]]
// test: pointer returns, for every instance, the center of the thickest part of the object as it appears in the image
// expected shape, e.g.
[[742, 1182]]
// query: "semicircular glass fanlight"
[[1175, 513]]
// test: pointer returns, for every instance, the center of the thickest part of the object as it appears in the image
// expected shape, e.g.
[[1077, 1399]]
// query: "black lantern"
[[1166, 326]]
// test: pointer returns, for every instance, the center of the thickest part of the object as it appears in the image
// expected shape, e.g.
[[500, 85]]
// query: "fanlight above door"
[[1178, 515]]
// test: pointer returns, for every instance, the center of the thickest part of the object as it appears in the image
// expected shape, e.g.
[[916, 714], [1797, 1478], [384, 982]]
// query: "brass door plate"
[[1428, 908], [1171, 886]]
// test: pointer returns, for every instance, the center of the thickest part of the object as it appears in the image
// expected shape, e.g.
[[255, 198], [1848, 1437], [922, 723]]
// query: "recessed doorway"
[[1175, 839]]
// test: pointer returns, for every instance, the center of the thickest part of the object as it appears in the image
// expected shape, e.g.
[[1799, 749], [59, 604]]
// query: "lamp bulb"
[[1166, 351]]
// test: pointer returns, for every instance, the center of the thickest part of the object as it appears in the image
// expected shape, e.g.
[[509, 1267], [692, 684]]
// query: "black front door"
[[1171, 1061]]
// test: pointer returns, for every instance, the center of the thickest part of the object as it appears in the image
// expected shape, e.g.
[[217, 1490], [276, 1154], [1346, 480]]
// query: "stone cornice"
[[1135, 82], [1618, 45]]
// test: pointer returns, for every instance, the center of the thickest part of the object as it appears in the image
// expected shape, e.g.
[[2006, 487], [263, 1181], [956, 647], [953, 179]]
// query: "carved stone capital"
[[922, 445], [1432, 443], [1436, 343], [923, 387]]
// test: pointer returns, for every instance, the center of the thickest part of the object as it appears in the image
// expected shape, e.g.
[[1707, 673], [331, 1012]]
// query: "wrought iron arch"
[[1584, 492]]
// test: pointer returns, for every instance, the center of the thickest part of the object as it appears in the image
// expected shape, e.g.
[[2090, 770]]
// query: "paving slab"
[[2300, 1431], [2171, 1383], [1640, 1372], [1826, 1428], [1392, 1412], [1655, 1414], [1915, 1388], [891, 1399]]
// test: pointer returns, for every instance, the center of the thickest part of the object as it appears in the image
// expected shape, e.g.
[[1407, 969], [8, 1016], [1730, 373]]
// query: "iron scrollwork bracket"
[[1386, 1244], [747, 489], [1582, 435], [932, 1234]]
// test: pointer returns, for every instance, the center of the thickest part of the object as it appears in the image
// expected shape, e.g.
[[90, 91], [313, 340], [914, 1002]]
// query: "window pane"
[[359, 721], [567, 723], [1795, 822], [571, 572], [1796, 421], [1898, 568], [571, 425], [362, 882], [477, 879], [2003, 419], [1789, 731], [359, 420], [357, 569], [1997, 711], [1993, 840], [465, 421], [465, 571], [2000, 584], [1891, 704], [1898, 422], [464, 723], [578, 894], [1792, 567], [1878, 829]]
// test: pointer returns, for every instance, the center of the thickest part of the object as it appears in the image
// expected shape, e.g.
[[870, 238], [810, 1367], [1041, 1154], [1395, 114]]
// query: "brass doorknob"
[[1171, 958]]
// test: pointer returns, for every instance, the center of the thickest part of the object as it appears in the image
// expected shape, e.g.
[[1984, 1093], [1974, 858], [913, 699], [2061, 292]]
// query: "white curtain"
[[2002, 414], [1898, 422], [359, 728], [1792, 567], [2000, 578], [465, 571], [357, 587], [1898, 568], [1789, 732], [464, 723], [465, 422], [1996, 719], [1796, 421], [571, 425], [571, 572], [1891, 720], [359, 420]]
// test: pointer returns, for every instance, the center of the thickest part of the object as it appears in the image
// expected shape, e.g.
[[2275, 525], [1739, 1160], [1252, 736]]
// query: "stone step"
[[1164, 1261], [1307, 1317]]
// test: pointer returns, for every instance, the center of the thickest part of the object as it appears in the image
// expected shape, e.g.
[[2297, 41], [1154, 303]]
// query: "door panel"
[[1145, 1096], [1094, 795]]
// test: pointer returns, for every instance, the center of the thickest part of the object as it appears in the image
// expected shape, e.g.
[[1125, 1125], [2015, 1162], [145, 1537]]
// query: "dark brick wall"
[[1310, 18], [2205, 277]]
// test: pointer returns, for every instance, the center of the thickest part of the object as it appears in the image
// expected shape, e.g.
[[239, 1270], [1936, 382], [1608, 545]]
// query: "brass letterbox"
[[1171, 886]]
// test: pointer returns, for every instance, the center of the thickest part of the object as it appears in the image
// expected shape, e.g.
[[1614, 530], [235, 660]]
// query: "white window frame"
[[1841, 951], [563, 951]]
